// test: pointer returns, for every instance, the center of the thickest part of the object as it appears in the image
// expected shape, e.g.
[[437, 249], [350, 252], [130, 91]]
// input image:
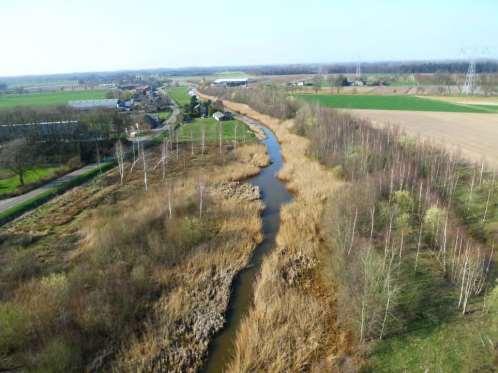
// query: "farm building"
[[62, 130], [231, 82], [219, 116], [94, 104]]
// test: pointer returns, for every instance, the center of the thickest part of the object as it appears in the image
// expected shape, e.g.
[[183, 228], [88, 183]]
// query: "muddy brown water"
[[274, 194]]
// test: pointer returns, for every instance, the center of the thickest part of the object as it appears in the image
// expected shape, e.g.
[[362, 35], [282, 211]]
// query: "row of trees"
[[413, 220], [83, 137], [405, 203], [268, 99]]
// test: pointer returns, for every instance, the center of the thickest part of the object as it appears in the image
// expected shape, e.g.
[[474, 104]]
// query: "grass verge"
[[34, 202]]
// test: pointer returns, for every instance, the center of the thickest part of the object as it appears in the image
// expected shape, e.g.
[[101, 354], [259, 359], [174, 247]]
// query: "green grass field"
[[179, 95], [461, 344], [194, 130], [48, 98], [9, 184], [163, 115], [394, 102]]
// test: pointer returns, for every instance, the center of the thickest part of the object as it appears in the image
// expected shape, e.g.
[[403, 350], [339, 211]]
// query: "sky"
[[63, 36]]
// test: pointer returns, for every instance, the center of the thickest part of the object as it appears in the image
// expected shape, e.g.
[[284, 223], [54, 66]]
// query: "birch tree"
[[119, 153]]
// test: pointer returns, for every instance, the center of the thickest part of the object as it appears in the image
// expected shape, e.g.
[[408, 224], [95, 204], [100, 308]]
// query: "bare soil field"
[[473, 100], [475, 135]]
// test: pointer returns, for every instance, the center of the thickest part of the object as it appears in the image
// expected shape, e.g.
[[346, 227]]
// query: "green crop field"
[[179, 95], [48, 98], [9, 183], [210, 125], [394, 102]]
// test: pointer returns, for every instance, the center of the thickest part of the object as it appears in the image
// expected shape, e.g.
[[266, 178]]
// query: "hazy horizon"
[[59, 37]]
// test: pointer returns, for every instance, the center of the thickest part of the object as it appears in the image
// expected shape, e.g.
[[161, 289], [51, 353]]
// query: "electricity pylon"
[[470, 79], [358, 70]]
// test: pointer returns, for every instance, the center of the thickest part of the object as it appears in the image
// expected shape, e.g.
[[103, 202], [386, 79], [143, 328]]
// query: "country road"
[[8, 203]]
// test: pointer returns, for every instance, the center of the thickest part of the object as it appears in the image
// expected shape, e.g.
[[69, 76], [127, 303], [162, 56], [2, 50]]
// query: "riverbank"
[[141, 280], [291, 326]]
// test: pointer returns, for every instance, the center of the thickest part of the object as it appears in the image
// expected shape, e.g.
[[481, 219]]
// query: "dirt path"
[[475, 135]]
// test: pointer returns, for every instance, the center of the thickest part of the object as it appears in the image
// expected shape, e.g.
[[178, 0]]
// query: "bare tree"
[[202, 188], [145, 168], [119, 153], [203, 139], [17, 156]]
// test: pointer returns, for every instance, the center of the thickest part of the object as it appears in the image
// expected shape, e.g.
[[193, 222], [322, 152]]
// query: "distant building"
[[299, 83], [62, 129], [358, 83], [219, 116], [125, 105], [231, 82], [94, 104]]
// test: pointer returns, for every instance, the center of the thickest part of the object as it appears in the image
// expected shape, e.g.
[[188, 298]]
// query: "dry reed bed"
[[177, 333], [105, 227], [292, 324]]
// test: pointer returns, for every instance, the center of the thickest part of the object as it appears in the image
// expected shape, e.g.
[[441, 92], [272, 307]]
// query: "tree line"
[[412, 220]]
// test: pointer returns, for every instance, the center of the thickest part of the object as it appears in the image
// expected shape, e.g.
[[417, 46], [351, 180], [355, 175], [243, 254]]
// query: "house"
[[219, 116], [125, 105], [296, 83]]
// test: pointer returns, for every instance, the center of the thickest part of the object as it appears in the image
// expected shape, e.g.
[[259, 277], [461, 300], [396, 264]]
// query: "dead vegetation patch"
[[140, 280], [293, 313]]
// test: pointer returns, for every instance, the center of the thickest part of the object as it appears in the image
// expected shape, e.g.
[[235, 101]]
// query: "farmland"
[[179, 95], [475, 135], [395, 102], [48, 98]]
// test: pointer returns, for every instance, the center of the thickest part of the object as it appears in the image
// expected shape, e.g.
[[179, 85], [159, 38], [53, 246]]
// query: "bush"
[[74, 163], [434, 217], [14, 327], [58, 356], [23, 265], [47, 301]]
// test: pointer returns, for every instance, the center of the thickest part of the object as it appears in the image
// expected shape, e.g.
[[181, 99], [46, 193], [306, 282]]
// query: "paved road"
[[6, 204], [154, 132]]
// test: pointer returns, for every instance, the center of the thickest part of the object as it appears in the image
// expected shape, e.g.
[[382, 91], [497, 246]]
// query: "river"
[[274, 194]]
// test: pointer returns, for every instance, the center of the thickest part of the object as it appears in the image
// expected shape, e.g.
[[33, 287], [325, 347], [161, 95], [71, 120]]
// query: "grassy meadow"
[[179, 95], [163, 115], [194, 130], [394, 102], [10, 183], [48, 98]]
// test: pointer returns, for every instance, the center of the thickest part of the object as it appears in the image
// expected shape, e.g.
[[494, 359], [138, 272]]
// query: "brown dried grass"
[[291, 326]]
